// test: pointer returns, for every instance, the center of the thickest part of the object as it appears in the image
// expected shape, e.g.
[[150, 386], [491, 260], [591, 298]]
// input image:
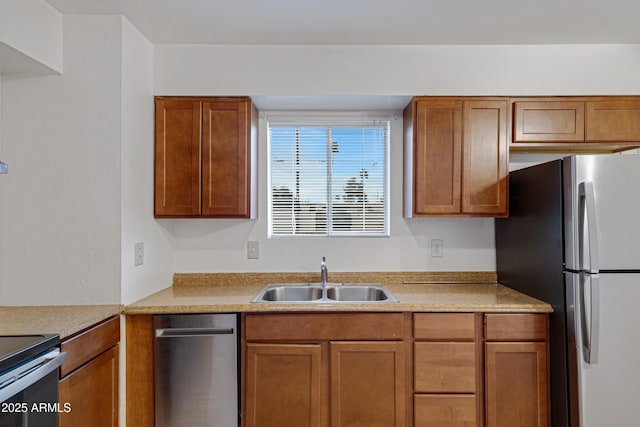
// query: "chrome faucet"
[[324, 273]]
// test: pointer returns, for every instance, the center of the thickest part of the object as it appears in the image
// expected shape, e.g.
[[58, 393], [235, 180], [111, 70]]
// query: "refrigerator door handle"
[[590, 322], [587, 206]]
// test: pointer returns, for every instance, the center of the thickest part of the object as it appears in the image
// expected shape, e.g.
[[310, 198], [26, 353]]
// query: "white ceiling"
[[373, 21]]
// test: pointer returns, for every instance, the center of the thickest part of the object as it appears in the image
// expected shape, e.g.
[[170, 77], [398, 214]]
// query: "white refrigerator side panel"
[[609, 388], [616, 182]]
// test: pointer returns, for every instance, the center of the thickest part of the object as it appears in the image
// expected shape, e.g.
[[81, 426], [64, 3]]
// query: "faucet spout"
[[324, 273]]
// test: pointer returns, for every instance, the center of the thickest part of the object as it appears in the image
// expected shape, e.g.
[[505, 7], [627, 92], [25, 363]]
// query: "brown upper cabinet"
[[554, 121], [576, 124], [613, 119], [456, 156], [205, 164]]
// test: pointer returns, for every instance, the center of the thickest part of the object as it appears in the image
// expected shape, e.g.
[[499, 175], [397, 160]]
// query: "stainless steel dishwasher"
[[196, 370]]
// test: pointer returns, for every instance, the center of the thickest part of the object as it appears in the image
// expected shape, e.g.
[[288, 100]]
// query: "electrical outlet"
[[138, 250], [252, 250], [437, 248]]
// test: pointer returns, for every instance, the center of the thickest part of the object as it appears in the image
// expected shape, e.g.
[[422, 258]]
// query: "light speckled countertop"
[[63, 320], [229, 292]]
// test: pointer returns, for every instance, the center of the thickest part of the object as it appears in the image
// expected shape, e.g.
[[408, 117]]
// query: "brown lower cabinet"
[[446, 382], [375, 369], [284, 385], [516, 370], [89, 377], [367, 384], [356, 379]]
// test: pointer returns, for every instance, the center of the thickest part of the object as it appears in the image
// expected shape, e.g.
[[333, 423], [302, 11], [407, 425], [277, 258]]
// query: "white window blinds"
[[328, 176]]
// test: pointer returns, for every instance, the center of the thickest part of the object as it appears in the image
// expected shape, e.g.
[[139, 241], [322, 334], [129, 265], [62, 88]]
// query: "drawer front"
[[516, 327], [444, 367], [616, 120], [548, 121], [86, 345], [324, 326], [444, 326], [445, 410]]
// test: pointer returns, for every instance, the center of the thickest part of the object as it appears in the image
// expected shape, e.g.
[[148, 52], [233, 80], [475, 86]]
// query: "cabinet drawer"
[[516, 327], [324, 326], [613, 120], [548, 121], [444, 367], [86, 345], [445, 410], [444, 326]]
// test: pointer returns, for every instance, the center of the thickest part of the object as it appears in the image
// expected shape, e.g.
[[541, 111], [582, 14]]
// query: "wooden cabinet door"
[[485, 158], [368, 385], [177, 158], [284, 385], [226, 128], [516, 384], [548, 121], [613, 120], [437, 156], [92, 391]]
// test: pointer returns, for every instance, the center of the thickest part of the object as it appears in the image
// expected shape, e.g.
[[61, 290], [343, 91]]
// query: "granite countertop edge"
[[65, 321], [217, 298], [328, 308]]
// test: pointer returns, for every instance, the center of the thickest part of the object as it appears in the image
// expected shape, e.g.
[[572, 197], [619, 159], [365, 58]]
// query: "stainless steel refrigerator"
[[573, 240]]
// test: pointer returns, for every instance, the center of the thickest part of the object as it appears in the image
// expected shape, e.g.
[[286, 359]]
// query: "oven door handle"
[[42, 367]]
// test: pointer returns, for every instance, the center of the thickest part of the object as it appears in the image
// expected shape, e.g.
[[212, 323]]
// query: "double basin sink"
[[315, 293]]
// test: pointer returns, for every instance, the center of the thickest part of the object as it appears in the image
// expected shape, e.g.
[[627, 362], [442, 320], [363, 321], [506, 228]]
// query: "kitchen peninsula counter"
[[63, 320], [415, 292]]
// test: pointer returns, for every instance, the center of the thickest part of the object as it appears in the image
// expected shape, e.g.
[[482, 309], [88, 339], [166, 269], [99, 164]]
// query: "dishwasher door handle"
[[192, 332]]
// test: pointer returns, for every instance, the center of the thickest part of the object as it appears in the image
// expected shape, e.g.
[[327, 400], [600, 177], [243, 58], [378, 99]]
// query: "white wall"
[[397, 70], [219, 245], [80, 192], [60, 222], [138, 224], [79, 147], [33, 28]]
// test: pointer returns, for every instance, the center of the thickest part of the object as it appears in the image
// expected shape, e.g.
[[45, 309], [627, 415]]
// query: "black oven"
[[29, 381]]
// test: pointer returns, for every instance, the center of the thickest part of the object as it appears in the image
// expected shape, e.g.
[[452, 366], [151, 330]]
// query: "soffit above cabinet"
[[13, 61], [409, 22], [331, 103]]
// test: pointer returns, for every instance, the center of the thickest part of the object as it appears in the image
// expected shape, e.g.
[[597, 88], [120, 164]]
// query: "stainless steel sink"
[[358, 293], [315, 293], [291, 293]]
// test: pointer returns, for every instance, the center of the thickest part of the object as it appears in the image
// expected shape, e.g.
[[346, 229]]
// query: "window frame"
[[331, 120]]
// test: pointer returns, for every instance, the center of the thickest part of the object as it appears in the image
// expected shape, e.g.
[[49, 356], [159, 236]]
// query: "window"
[[328, 176]]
